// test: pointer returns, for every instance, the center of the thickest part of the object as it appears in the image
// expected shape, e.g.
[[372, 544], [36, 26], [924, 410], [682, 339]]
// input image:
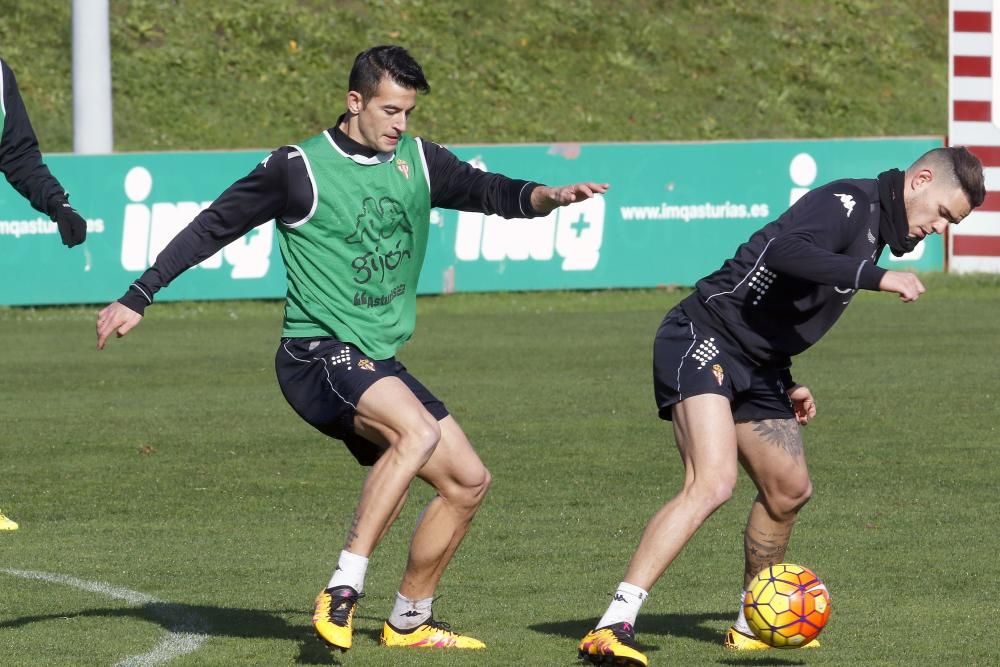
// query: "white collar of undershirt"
[[378, 158]]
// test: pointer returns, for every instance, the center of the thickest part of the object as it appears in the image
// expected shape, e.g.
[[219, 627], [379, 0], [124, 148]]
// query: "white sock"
[[351, 569], [624, 606], [741, 619], [408, 614]]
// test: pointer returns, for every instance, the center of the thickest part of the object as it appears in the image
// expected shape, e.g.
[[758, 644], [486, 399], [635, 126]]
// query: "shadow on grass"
[[689, 626], [207, 621], [211, 621], [767, 660]]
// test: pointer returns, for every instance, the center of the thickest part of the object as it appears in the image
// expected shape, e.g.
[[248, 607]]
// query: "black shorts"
[[689, 360], [323, 379]]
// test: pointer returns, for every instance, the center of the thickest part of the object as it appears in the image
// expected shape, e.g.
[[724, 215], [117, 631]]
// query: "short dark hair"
[[390, 61], [958, 164], [969, 172]]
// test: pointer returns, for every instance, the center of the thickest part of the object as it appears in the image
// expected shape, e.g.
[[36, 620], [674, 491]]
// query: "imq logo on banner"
[[147, 227], [135, 205]]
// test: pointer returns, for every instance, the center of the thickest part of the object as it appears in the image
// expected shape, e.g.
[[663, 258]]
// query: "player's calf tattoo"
[[352, 532], [782, 433], [763, 549]]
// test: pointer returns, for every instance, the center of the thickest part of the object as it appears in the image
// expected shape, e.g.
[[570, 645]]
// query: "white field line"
[[187, 635]]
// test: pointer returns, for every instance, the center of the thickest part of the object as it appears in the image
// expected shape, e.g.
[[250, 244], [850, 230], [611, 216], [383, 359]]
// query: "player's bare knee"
[[478, 490], [470, 492], [722, 491], [419, 440], [798, 495], [786, 503], [800, 499], [713, 492]]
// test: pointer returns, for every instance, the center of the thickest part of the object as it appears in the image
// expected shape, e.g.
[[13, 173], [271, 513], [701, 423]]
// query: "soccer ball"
[[786, 605]]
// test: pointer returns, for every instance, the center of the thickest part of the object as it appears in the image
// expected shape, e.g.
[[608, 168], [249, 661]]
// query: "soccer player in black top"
[[21, 164], [722, 359]]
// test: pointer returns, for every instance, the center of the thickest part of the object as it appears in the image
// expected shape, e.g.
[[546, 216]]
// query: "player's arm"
[[458, 185], [821, 228], [258, 197], [22, 165], [818, 229]]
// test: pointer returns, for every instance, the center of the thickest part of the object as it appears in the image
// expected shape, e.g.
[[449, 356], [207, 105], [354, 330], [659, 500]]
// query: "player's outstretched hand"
[[115, 318], [803, 403], [545, 198], [906, 285]]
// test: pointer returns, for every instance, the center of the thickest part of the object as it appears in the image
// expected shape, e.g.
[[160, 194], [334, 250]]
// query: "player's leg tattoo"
[[782, 433], [772, 516], [352, 532], [764, 540]]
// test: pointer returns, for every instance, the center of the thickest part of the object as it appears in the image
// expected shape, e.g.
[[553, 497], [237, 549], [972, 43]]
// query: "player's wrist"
[[55, 204], [871, 277], [543, 199], [136, 299]]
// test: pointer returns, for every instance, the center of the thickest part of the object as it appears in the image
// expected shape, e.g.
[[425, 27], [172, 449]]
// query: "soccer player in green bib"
[[352, 206]]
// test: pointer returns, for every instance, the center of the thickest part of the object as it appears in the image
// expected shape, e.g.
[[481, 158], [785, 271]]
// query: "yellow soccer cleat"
[[7, 524], [333, 619], [739, 641], [612, 645], [431, 634]]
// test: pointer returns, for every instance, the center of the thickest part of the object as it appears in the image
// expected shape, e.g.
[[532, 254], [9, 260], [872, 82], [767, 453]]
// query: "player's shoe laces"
[[334, 616], [431, 634], [612, 645], [7, 524], [739, 641]]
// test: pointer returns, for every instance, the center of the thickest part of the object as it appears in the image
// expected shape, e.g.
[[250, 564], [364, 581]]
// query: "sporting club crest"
[[404, 168]]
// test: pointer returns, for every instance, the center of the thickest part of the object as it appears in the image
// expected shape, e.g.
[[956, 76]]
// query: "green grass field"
[[170, 465]]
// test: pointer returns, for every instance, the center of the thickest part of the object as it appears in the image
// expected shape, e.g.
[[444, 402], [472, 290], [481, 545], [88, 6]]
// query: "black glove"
[[72, 228]]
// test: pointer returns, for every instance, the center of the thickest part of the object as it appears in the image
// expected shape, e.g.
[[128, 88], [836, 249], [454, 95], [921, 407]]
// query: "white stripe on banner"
[[969, 264], [979, 223], [972, 88], [968, 133], [992, 175], [971, 5], [971, 44]]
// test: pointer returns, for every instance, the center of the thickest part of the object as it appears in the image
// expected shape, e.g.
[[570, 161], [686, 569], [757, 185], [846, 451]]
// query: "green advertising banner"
[[674, 212], [134, 205]]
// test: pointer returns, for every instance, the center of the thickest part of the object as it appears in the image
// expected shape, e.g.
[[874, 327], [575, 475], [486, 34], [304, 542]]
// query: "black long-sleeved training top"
[[280, 188], [790, 282], [20, 158]]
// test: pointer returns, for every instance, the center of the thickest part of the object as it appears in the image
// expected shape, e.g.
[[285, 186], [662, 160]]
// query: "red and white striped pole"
[[974, 121]]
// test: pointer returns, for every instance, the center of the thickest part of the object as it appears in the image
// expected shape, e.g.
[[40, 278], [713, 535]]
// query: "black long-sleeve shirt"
[[790, 282], [20, 158], [279, 188]]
